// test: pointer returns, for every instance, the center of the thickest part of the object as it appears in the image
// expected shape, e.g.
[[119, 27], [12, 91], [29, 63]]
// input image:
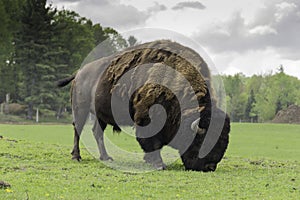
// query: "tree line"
[[40, 44], [260, 97]]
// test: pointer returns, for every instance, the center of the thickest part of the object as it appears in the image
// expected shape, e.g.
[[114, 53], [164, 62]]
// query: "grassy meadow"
[[262, 162]]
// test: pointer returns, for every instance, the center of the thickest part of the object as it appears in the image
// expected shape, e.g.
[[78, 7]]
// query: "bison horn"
[[196, 128]]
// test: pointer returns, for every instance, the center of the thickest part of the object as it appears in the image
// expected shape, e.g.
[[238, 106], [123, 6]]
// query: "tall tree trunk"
[[30, 111]]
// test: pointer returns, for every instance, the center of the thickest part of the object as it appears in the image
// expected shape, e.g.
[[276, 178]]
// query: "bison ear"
[[195, 128]]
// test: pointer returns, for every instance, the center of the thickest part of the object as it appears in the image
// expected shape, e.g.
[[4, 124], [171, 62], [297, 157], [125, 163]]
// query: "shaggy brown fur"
[[148, 93]]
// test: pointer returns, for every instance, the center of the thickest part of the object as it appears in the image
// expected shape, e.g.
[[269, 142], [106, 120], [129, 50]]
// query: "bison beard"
[[187, 142]]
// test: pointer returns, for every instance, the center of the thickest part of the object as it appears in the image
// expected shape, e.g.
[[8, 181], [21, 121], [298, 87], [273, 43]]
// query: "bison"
[[83, 95], [139, 79]]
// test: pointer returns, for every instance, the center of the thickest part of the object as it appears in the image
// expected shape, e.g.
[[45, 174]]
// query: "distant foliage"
[[260, 97]]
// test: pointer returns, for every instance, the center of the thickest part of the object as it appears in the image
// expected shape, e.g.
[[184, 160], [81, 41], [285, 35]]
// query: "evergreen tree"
[[249, 107], [4, 38], [9, 72], [34, 54]]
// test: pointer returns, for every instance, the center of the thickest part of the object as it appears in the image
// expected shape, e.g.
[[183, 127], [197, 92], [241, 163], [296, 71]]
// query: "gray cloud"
[[112, 13], [156, 8], [189, 4], [276, 26]]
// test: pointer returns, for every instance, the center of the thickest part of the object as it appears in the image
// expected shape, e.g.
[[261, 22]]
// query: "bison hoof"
[[160, 166], [106, 158], [76, 157]]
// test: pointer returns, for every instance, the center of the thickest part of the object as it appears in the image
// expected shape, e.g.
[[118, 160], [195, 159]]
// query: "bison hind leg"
[[76, 152]]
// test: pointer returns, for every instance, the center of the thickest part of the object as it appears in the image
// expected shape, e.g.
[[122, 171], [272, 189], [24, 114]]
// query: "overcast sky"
[[249, 36]]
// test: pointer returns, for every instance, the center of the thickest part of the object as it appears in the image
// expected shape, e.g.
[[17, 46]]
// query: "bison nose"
[[210, 167]]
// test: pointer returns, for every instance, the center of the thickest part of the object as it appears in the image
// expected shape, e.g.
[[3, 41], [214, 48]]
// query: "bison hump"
[[133, 60]]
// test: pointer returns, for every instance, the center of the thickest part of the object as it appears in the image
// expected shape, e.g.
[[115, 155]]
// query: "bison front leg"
[[98, 131], [152, 148], [155, 159]]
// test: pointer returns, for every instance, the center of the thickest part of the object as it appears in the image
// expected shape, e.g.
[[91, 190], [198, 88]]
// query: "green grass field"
[[262, 162]]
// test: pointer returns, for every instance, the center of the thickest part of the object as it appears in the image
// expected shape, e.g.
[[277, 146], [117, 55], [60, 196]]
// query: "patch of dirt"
[[289, 115]]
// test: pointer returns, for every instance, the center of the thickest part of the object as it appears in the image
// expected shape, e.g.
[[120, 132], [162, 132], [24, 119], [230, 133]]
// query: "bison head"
[[191, 158]]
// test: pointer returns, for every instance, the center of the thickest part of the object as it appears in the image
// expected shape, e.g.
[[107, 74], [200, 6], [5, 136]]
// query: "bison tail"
[[65, 81]]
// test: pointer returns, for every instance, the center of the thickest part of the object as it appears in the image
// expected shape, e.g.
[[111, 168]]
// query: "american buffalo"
[[186, 126], [139, 79]]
